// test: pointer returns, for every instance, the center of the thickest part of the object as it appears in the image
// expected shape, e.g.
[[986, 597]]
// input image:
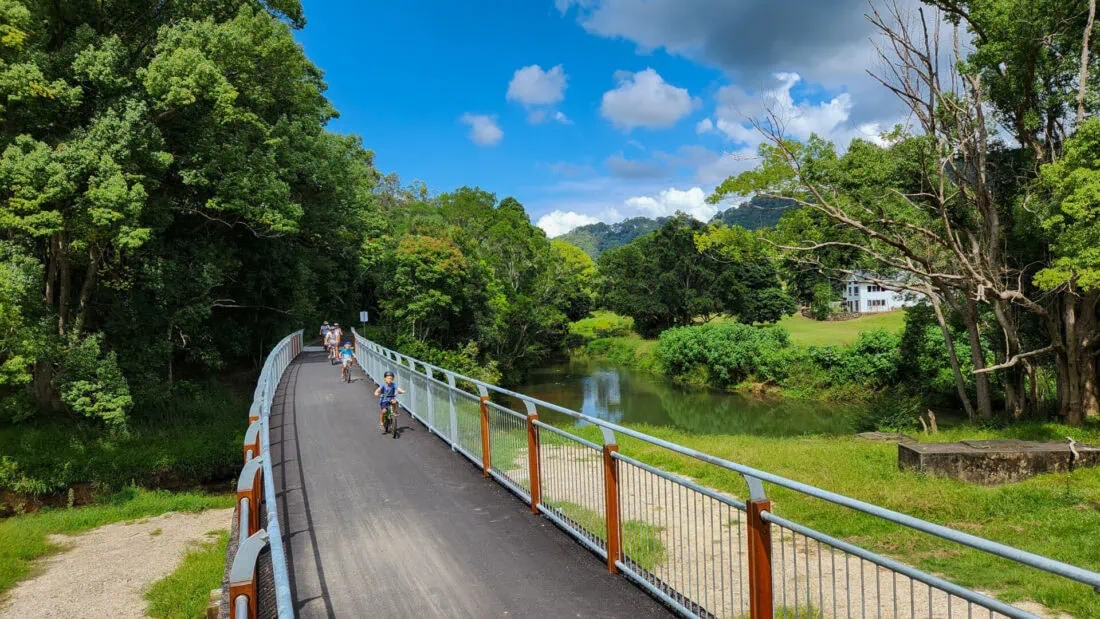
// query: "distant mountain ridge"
[[597, 238]]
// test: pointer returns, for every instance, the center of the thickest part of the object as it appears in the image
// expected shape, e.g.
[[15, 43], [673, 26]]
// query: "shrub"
[[872, 361], [821, 305], [599, 325], [727, 353]]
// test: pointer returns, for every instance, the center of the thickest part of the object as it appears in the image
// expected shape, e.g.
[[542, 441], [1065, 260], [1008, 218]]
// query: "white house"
[[863, 296]]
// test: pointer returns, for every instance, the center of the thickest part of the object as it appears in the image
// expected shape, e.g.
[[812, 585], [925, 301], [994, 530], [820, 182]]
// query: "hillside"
[[758, 212], [597, 238]]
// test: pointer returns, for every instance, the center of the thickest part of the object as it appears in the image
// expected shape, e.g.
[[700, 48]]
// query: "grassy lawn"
[[24, 538], [806, 331], [641, 541], [183, 594], [1054, 515]]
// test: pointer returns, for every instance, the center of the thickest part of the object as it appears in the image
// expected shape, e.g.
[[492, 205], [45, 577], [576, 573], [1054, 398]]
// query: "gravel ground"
[[102, 573]]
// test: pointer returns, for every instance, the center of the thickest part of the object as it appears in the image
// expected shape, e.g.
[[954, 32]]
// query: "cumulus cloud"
[[557, 223], [484, 130], [830, 118], [531, 85], [827, 41], [645, 99], [667, 202], [704, 126]]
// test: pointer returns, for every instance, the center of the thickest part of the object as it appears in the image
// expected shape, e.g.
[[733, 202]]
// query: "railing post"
[[611, 506], [431, 400], [486, 456], [760, 552], [454, 410], [252, 441], [248, 487], [534, 477], [242, 576]]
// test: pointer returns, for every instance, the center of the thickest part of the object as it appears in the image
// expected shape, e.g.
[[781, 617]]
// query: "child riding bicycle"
[[387, 394], [347, 357]]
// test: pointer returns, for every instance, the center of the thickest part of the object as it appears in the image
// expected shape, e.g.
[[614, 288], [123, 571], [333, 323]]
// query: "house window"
[[874, 288], [876, 303]]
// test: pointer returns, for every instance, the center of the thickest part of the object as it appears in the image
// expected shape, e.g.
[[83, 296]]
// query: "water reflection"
[[622, 396]]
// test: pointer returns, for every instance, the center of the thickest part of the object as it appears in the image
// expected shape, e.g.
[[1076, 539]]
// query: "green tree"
[[662, 280]]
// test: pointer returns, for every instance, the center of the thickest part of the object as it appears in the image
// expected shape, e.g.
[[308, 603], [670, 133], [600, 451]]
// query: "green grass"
[[641, 541], [184, 593], [806, 331], [1055, 515], [23, 539]]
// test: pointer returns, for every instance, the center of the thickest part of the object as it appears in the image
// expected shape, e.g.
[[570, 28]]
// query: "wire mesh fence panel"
[[509, 454], [813, 578], [468, 418], [419, 393], [441, 409], [572, 485], [684, 543]]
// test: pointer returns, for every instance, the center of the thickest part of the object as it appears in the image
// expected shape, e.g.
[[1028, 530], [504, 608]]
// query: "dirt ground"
[[102, 573]]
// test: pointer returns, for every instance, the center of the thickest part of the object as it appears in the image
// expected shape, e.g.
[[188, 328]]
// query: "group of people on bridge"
[[386, 393]]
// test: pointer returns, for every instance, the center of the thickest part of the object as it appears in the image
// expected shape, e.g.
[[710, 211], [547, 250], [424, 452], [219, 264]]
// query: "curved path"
[[378, 527]]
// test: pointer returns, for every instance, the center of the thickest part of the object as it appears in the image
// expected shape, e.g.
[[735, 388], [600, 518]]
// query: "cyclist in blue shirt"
[[387, 392], [347, 356]]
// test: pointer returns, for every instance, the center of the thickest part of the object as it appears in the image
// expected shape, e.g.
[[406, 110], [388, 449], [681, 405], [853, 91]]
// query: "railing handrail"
[[244, 600], [753, 474]]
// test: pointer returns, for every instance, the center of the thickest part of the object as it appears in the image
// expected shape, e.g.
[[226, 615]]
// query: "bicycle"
[[347, 372], [389, 422]]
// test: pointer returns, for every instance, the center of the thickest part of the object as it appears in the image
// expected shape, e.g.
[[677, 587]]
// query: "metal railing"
[[256, 485], [703, 552]]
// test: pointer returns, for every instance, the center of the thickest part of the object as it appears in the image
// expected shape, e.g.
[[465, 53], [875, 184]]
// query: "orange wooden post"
[[533, 462], [760, 560], [247, 589], [486, 459], [611, 505]]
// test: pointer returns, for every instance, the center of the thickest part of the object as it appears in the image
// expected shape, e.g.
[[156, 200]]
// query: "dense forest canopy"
[[172, 204]]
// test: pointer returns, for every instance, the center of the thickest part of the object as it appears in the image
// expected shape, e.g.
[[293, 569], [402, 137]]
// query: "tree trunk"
[[1083, 78], [981, 381], [1073, 327], [960, 382], [90, 276], [64, 285]]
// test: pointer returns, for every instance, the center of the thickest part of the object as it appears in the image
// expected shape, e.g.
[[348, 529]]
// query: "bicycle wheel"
[[393, 417]]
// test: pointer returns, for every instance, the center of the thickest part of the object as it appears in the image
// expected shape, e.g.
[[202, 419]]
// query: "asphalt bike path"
[[383, 527]]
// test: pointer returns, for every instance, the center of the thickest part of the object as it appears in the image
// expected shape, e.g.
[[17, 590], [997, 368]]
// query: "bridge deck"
[[378, 527]]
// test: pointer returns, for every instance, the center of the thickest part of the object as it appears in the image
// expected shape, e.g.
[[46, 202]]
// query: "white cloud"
[[829, 118], [644, 99], [557, 223], [723, 166], [531, 85], [561, 118], [704, 126], [484, 130], [691, 201]]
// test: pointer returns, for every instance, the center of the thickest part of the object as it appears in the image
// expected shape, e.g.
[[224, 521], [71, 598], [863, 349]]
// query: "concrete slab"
[[990, 462]]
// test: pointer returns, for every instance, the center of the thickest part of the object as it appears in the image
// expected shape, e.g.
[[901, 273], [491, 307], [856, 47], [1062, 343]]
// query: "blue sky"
[[588, 110]]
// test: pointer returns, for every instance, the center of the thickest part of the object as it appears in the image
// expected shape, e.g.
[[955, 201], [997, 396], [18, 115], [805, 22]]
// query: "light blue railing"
[[255, 485]]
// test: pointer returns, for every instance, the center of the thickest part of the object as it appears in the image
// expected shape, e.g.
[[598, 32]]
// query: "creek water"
[[625, 396]]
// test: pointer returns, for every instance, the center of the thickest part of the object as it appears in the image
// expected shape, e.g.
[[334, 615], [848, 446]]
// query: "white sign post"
[[363, 316]]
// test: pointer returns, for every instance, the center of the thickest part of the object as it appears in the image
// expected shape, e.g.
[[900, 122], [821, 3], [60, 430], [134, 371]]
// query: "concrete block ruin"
[[994, 462]]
